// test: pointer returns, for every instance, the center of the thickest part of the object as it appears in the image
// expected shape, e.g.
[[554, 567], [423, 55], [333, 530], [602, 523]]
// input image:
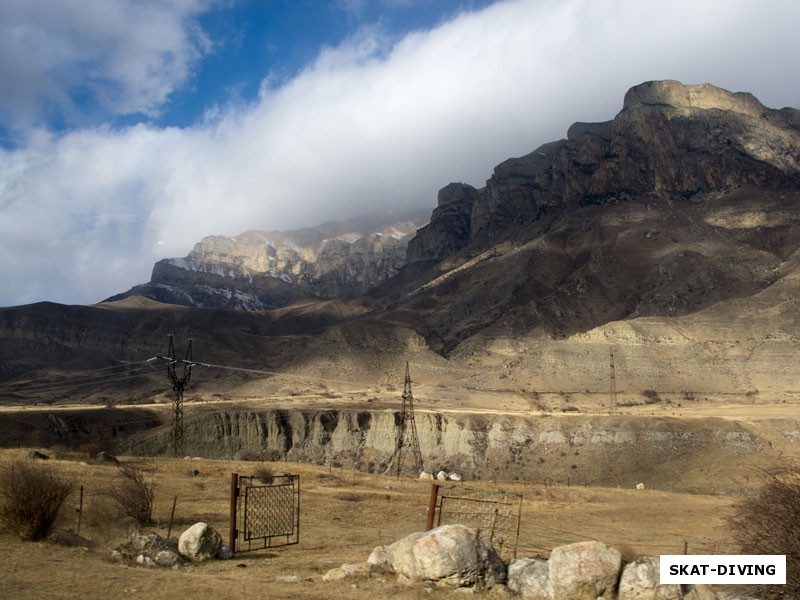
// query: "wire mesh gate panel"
[[495, 516], [267, 513]]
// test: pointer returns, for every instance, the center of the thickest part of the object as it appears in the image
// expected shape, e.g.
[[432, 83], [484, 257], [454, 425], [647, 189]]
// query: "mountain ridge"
[[669, 235]]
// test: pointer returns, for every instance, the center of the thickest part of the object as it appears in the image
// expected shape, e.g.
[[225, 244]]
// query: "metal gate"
[[496, 515], [264, 514]]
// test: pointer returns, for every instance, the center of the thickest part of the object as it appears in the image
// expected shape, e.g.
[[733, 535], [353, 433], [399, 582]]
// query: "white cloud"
[[367, 126], [122, 56]]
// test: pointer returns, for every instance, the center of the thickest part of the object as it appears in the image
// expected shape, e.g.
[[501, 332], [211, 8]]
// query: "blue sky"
[[129, 129]]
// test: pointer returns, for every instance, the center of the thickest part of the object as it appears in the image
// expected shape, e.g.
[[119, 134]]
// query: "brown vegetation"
[[31, 495], [769, 523]]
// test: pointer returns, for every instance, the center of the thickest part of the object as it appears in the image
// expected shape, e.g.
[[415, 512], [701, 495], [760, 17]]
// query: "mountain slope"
[[688, 197]]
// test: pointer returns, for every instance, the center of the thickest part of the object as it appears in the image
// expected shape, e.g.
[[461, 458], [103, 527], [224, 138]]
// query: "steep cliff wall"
[[666, 453]]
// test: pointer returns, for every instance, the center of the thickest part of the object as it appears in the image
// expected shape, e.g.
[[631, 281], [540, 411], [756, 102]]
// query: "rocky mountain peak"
[[259, 270], [675, 95]]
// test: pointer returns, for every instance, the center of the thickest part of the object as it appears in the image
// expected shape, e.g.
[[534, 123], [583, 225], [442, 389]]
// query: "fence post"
[[432, 505], [80, 512], [234, 502], [172, 517]]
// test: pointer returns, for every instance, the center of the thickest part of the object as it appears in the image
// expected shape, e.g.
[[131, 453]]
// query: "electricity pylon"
[[407, 440], [178, 386]]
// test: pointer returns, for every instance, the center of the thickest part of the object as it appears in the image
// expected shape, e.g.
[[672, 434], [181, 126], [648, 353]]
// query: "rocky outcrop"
[[661, 211], [259, 270], [449, 228]]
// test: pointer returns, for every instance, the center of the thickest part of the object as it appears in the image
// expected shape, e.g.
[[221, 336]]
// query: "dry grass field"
[[344, 515]]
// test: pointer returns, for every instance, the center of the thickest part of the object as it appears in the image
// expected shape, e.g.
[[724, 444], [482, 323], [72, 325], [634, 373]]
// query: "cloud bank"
[[373, 124]]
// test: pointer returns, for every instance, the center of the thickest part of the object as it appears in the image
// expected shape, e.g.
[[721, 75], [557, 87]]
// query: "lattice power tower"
[[407, 441], [178, 386]]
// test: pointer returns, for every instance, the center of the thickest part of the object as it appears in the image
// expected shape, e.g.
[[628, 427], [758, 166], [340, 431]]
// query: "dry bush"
[[134, 493], [31, 496], [769, 523], [103, 518], [264, 473]]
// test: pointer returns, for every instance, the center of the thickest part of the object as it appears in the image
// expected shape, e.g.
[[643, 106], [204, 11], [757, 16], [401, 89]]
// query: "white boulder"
[[199, 542], [584, 571], [640, 580]]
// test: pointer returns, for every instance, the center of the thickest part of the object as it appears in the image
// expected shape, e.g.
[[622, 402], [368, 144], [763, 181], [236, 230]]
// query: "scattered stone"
[[148, 550], [348, 571], [224, 552], [144, 561], [441, 476], [200, 542], [167, 558], [426, 475], [454, 477], [639, 486]]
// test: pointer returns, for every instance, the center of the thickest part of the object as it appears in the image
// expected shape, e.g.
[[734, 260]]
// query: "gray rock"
[[640, 581], [584, 571], [452, 555], [349, 571], [167, 558], [529, 577], [199, 542]]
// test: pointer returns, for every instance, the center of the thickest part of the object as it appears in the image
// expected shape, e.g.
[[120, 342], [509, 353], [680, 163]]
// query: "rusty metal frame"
[[498, 521], [264, 514]]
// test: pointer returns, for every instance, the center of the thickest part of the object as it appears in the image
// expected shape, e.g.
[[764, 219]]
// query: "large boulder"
[[529, 578], [453, 555], [200, 542], [584, 571], [641, 581]]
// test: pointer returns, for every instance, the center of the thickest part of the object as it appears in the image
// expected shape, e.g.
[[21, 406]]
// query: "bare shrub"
[[31, 496], [134, 493], [264, 473], [769, 523], [651, 396]]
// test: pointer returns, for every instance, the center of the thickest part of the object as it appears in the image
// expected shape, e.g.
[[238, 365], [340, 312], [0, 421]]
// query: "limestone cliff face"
[[592, 450], [259, 270]]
